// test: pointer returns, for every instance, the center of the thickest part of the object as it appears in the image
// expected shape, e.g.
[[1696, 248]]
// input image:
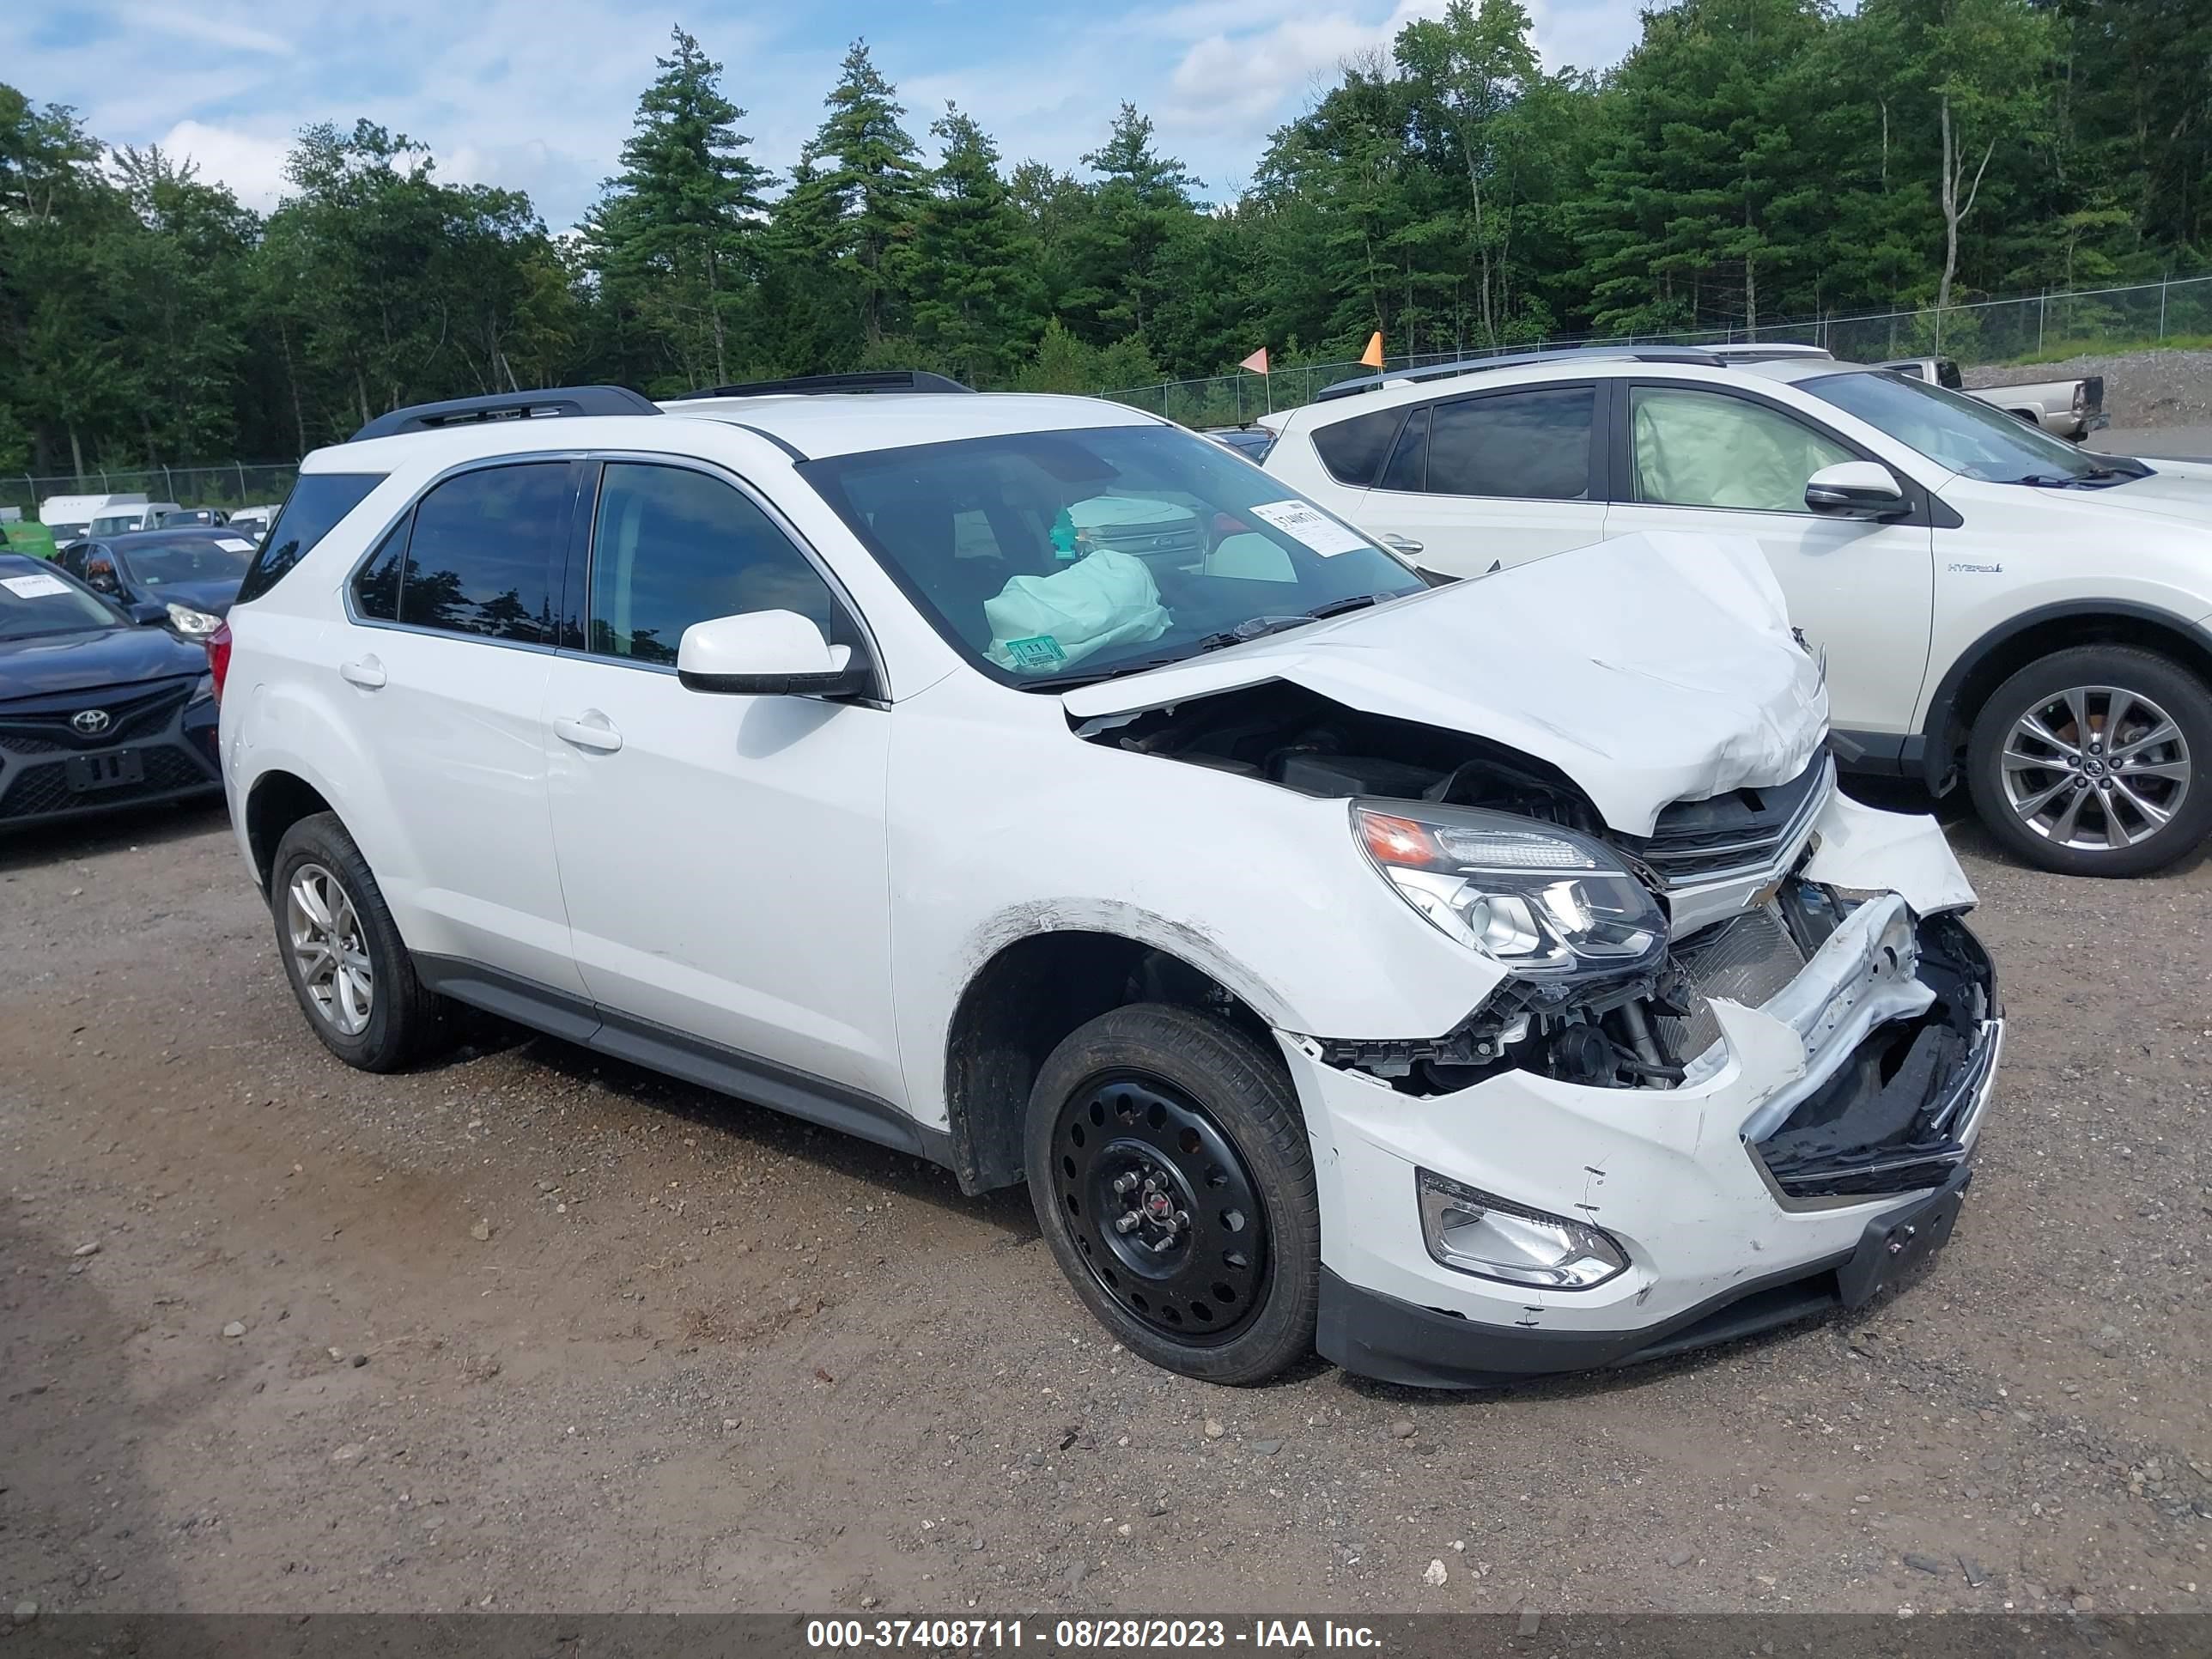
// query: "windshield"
[[190, 559], [1053, 557], [116, 523], [36, 602], [1961, 433]]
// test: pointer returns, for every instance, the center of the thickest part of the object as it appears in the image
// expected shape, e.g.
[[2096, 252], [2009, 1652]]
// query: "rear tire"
[[1171, 1173], [349, 968], [2093, 762]]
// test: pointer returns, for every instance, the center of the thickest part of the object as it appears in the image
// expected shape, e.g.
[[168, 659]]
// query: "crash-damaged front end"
[[1727, 1040], [1735, 1080]]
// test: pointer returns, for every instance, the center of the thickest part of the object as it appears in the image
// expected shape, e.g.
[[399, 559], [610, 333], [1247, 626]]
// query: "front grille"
[[40, 725], [1742, 831], [38, 790], [1747, 959]]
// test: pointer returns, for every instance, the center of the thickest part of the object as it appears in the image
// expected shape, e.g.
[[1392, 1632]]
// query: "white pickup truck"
[[2066, 409]]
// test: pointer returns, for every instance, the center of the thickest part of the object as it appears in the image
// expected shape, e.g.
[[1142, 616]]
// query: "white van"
[[70, 516], [120, 518]]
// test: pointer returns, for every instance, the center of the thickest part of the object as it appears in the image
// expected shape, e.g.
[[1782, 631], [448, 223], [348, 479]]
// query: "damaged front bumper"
[[1813, 1153]]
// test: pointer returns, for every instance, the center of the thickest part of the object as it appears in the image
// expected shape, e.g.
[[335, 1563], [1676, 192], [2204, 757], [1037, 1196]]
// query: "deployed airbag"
[[1049, 621], [1693, 449]]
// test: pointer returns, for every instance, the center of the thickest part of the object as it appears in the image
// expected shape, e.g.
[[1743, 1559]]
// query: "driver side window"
[[1694, 448], [671, 547]]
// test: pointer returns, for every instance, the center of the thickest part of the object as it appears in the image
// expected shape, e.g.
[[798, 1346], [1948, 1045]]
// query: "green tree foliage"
[[1749, 160], [676, 238]]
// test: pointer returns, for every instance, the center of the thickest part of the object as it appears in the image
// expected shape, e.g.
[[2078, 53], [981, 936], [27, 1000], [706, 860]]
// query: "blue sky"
[[537, 94]]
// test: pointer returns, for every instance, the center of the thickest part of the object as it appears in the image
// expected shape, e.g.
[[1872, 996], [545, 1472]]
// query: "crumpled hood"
[[1650, 669]]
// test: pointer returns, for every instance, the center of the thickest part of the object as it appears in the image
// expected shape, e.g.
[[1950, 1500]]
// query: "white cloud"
[[1237, 80], [196, 25], [252, 165]]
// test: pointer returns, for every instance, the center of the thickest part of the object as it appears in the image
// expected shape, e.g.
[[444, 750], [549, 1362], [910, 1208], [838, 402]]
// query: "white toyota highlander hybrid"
[[1473, 980], [1995, 606]]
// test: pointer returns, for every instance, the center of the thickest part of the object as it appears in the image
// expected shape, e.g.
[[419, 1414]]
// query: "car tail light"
[[218, 650]]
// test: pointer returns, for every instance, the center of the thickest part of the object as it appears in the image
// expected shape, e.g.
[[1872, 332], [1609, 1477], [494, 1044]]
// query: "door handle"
[[1405, 544], [367, 673], [589, 730]]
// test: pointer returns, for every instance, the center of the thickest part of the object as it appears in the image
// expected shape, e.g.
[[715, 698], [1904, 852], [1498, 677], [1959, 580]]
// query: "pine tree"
[[876, 178], [676, 235], [969, 286], [1142, 199]]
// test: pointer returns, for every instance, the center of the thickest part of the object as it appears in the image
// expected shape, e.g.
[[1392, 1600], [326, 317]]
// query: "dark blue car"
[[97, 709], [189, 572]]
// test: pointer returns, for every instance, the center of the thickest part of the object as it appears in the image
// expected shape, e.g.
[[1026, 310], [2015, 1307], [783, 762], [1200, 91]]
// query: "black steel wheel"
[[1162, 1206], [1170, 1171]]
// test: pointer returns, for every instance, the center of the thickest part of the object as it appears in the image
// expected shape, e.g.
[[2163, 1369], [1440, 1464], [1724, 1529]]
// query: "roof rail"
[[874, 380], [1516, 359], [509, 406]]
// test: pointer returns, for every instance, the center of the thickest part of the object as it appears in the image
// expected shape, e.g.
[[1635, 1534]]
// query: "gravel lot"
[[530, 1330]]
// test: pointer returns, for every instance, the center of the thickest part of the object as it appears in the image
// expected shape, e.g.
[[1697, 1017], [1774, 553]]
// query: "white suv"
[[1476, 981], [1993, 605]]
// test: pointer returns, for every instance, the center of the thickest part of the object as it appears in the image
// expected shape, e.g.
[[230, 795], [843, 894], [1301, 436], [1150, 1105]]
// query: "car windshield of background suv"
[[1052, 558], [35, 602], [1968, 436]]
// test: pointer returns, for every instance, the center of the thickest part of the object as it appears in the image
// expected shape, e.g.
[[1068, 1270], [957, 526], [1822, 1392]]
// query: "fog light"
[[1473, 1232]]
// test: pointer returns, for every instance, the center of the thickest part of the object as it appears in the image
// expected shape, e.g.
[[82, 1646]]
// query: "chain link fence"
[[2045, 326], [230, 486]]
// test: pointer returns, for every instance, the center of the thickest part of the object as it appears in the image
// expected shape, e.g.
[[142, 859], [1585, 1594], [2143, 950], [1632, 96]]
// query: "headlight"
[[1532, 898], [1474, 1233], [192, 624]]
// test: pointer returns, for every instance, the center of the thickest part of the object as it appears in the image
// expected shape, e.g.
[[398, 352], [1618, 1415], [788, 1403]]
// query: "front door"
[[1720, 464], [723, 857]]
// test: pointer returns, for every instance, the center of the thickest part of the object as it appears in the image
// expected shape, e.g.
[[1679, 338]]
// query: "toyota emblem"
[[90, 722]]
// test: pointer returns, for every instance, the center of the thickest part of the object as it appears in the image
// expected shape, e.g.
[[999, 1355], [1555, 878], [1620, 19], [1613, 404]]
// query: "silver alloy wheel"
[[2095, 768], [328, 949]]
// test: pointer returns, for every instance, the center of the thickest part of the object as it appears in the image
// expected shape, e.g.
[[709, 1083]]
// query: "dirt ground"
[[528, 1329]]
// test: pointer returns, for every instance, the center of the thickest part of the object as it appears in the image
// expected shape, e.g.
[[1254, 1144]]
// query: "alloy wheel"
[[329, 950], [1160, 1203], [2095, 768]]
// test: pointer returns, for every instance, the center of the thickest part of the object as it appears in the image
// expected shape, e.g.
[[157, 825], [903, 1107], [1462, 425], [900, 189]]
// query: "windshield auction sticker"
[[34, 588], [1312, 526]]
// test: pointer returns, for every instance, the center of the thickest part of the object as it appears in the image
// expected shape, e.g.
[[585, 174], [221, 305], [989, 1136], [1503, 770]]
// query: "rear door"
[[1717, 461], [443, 671], [724, 858], [1492, 478]]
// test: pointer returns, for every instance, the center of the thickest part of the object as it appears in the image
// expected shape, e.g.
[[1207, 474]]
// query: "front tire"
[[2091, 762], [1171, 1173], [342, 952]]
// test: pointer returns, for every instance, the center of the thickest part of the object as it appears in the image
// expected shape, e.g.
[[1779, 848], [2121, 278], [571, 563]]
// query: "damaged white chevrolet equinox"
[[1472, 982]]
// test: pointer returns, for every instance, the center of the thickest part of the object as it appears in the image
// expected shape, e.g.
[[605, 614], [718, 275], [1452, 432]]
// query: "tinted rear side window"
[[1532, 444], [310, 513], [1409, 462], [1352, 450], [482, 552]]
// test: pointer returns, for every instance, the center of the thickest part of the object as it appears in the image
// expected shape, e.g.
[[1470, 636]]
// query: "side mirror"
[[147, 613], [767, 654], [1854, 489]]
